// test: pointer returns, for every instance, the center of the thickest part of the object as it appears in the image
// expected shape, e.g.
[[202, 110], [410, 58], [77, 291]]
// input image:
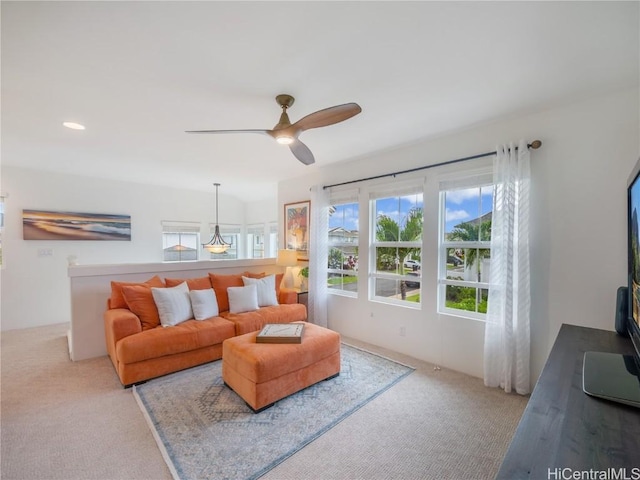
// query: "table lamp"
[[288, 259]]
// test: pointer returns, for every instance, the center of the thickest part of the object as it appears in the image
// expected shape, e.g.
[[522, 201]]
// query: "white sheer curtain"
[[507, 337], [318, 256]]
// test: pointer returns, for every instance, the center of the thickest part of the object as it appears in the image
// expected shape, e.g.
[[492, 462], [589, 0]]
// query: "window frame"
[[343, 201], [271, 248], [398, 191], [479, 180], [255, 231], [181, 228]]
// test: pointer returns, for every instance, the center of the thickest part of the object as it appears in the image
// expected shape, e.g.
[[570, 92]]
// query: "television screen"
[[613, 376], [633, 208]]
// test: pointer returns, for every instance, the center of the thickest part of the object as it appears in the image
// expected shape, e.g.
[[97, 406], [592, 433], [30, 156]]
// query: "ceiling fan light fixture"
[[73, 125], [286, 133], [284, 140]]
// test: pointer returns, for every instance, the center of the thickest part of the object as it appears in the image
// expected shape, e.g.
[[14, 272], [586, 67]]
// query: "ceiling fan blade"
[[228, 131], [302, 152], [328, 116]]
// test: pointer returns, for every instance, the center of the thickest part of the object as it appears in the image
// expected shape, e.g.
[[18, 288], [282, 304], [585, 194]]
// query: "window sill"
[[478, 317]]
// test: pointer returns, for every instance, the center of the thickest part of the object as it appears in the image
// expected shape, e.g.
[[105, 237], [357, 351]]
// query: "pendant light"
[[216, 244]]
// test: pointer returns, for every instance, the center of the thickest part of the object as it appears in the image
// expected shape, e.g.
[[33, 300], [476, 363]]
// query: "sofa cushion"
[[185, 337], [254, 275], [245, 322], [117, 298], [140, 301], [220, 284], [251, 321], [243, 299], [278, 280], [200, 283], [204, 303], [174, 304], [266, 289], [294, 312]]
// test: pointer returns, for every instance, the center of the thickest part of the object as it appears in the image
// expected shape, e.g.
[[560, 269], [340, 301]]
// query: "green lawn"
[[343, 280]]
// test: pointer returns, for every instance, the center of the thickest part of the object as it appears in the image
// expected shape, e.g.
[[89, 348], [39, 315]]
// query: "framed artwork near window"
[[296, 228]]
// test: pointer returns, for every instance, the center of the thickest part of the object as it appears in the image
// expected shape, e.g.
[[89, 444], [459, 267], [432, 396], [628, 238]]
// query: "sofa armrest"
[[288, 295], [119, 323]]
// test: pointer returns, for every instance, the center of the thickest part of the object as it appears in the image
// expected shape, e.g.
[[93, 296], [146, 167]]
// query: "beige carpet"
[[72, 420]]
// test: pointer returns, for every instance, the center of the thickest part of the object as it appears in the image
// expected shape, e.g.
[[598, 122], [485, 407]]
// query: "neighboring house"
[[180, 253], [341, 235]]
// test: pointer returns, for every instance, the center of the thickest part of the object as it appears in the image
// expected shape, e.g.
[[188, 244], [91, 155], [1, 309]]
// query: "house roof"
[[138, 74], [477, 221]]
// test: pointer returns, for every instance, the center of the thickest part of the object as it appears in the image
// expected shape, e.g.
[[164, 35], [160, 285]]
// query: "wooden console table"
[[564, 428]]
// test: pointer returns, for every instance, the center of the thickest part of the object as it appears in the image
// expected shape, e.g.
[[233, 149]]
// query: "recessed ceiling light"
[[74, 126]]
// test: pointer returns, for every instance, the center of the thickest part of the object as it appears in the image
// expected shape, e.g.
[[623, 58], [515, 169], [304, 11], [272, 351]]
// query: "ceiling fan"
[[287, 133]]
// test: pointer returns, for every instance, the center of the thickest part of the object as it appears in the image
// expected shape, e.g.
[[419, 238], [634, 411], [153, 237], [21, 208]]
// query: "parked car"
[[455, 260], [412, 264], [413, 283]]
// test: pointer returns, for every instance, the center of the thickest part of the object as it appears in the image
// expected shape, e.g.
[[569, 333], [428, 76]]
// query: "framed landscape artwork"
[[296, 228], [45, 225]]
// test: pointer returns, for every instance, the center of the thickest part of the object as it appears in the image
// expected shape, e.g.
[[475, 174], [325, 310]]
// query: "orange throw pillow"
[[220, 284], [117, 299], [201, 283], [254, 275], [140, 301]]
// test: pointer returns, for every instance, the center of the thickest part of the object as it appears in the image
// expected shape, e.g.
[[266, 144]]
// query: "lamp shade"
[[287, 258]]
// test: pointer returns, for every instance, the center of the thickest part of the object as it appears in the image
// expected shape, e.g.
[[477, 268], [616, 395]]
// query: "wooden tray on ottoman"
[[281, 333]]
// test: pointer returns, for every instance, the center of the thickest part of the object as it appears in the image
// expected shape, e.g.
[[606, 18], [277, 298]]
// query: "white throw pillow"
[[174, 305], [204, 303], [266, 289], [243, 299]]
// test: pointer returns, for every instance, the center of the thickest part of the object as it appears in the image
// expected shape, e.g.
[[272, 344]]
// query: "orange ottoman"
[[263, 373]]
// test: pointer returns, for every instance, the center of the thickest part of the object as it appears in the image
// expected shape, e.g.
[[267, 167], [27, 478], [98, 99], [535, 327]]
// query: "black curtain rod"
[[536, 144]]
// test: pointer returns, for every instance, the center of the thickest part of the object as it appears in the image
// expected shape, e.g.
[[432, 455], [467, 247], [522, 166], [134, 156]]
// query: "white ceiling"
[[138, 74]]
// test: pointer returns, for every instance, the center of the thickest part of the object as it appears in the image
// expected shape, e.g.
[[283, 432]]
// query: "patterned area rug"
[[206, 431]]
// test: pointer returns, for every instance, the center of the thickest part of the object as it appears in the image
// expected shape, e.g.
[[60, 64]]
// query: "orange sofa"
[[141, 348]]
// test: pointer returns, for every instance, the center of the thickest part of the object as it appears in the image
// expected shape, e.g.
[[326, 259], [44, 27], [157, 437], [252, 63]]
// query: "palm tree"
[[472, 232], [388, 230]]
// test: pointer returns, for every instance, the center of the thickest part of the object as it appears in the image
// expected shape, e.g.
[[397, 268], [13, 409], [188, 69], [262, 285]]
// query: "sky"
[[466, 205], [461, 206], [345, 216]]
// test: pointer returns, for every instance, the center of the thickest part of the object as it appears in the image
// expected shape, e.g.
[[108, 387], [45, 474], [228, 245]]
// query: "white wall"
[[35, 290], [263, 211], [578, 240]]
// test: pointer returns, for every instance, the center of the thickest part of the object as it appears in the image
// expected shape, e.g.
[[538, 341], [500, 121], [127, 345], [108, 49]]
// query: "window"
[[465, 247], [230, 234], [342, 273], [396, 250], [255, 241], [272, 245], [180, 241]]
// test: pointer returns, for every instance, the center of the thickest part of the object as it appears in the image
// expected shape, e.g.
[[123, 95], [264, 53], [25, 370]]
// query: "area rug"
[[206, 431]]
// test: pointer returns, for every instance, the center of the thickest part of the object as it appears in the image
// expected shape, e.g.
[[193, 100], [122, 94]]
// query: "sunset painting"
[[44, 225]]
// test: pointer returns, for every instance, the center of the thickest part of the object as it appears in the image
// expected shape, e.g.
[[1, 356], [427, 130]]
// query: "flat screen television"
[[611, 376]]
